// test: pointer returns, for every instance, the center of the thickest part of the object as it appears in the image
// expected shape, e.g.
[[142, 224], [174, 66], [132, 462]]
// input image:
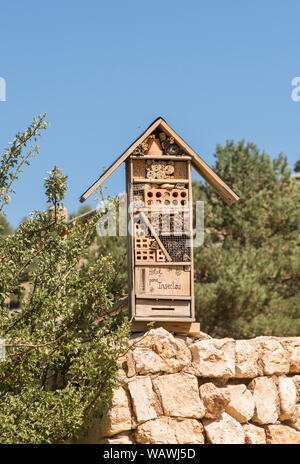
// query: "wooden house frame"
[[160, 288]]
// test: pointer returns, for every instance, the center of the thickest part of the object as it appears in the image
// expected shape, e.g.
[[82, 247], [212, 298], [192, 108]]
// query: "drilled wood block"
[[166, 197]]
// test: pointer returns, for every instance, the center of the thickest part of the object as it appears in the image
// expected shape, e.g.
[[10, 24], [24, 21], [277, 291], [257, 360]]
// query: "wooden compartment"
[[172, 169], [139, 168], [166, 280], [180, 170], [163, 308]]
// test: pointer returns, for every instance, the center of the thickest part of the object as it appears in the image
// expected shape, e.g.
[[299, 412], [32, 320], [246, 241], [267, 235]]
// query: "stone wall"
[[178, 389]]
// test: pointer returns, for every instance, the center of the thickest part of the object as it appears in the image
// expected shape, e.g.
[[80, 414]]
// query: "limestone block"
[[179, 396], [130, 365], [288, 397], [292, 346], [160, 351], [296, 380], [247, 359], [118, 416], [144, 401], [214, 358], [166, 430], [122, 439], [189, 431], [295, 420], [214, 399], [254, 435], [273, 356], [282, 435], [266, 400], [241, 405], [224, 431]]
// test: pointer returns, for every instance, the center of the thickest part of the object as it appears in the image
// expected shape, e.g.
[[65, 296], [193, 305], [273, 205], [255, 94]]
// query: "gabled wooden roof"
[[198, 164]]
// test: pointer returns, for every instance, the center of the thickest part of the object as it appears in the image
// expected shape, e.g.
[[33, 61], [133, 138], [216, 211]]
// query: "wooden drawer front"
[[158, 280], [163, 308]]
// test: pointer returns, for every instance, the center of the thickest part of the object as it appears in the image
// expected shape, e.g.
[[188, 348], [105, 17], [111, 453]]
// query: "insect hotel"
[[160, 225]]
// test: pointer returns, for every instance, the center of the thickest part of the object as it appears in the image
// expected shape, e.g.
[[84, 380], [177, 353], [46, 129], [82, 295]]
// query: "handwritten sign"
[[172, 281]]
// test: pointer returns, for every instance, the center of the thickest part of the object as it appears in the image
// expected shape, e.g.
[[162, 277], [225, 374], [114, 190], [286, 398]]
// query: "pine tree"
[[247, 272]]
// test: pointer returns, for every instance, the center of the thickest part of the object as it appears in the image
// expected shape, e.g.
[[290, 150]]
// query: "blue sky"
[[103, 71]]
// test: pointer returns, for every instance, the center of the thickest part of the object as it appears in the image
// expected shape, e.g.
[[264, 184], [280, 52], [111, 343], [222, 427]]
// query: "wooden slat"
[[162, 263], [141, 180], [163, 297], [175, 319], [186, 328], [130, 250], [165, 309], [191, 240], [163, 209], [162, 157]]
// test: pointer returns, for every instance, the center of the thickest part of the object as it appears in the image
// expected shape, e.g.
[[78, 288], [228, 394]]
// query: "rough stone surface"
[[266, 400], [273, 356], [126, 367], [241, 405], [160, 351], [295, 420], [254, 435], [292, 345], [122, 439], [214, 358], [296, 380], [179, 396], [244, 391], [214, 399], [118, 418], [130, 365], [166, 430], [224, 430], [288, 397], [282, 435], [246, 359], [144, 402]]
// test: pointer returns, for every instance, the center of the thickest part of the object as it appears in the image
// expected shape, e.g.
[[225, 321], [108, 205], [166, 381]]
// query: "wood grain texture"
[[165, 281], [166, 309]]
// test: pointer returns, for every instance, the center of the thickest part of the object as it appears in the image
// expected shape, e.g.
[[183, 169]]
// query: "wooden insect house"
[[160, 226]]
